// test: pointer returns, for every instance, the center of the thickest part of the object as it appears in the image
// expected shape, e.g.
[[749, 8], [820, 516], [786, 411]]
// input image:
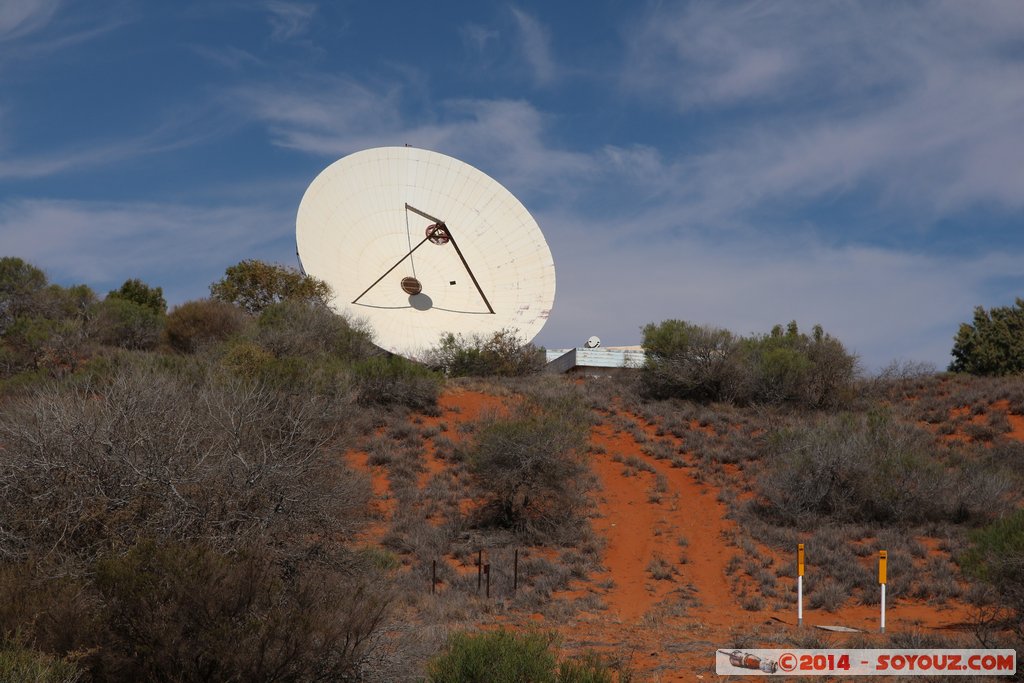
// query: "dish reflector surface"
[[418, 244]]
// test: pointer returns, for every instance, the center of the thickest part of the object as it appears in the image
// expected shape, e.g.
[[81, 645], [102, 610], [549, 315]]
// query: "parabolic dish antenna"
[[419, 244]]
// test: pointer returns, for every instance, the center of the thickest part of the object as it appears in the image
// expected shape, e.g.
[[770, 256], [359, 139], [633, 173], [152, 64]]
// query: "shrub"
[[195, 323], [45, 343], [184, 453], [20, 284], [248, 359], [709, 364], [301, 328], [194, 522], [503, 656], [42, 327], [186, 612], [591, 668], [996, 556], [501, 354], [813, 371], [690, 361], [20, 663], [529, 466], [254, 285], [993, 344], [495, 657], [140, 293], [869, 469], [124, 322], [392, 380]]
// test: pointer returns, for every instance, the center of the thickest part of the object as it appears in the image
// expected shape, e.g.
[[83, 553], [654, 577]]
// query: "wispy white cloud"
[[182, 128], [180, 247], [535, 44], [33, 29], [333, 116], [478, 38], [227, 56], [289, 20], [921, 103], [21, 17]]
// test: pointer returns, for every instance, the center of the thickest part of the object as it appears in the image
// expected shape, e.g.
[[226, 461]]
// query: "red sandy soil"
[[669, 628], [636, 528], [1001, 406], [383, 505], [1016, 421], [457, 406]]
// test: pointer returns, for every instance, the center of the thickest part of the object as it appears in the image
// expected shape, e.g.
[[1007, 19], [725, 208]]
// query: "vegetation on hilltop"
[[993, 344], [704, 363]]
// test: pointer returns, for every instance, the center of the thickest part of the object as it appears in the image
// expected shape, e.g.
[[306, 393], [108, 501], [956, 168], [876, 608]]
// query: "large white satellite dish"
[[419, 244]]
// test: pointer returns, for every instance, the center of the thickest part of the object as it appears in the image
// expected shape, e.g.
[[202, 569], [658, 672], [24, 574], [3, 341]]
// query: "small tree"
[[685, 360], [139, 292], [994, 344], [128, 324], [47, 326], [253, 285], [20, 283], [814, 371]]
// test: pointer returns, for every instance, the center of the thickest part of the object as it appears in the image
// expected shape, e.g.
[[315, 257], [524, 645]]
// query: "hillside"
[[676, 562], [247, 488]]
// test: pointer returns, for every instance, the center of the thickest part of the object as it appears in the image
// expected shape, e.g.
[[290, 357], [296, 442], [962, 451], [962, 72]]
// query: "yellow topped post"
[[882, 560], [799, 584]]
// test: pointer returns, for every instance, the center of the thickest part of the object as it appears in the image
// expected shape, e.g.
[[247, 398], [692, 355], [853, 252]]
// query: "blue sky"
[[854, 164]]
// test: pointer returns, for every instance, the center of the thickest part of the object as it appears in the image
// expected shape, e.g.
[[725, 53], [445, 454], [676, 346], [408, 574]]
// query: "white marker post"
[[799, 584], [882, 557]]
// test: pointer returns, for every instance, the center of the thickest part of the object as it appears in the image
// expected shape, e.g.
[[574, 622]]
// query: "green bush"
[[711, 364], [37, 343], [857, 468], [140, 293], [993, 344], [392, 380], [124, 322], [501, 354], [254, 285], [300, 328], [529, 466], [196, 323], [20, 284], [186, 612], [504, 656], [42, 327], [691, 361], [791, 367], [247, 359], [20, 664], [496, 657], [591, 668], [996, 556]]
